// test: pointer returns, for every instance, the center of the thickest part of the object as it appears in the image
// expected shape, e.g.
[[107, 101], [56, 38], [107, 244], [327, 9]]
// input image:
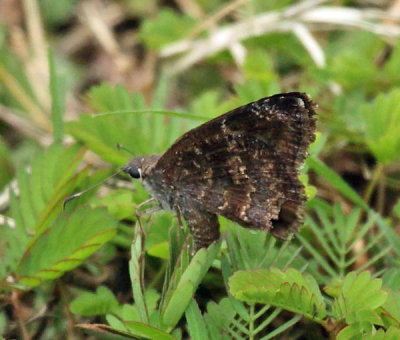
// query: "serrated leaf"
[[42, 189], [66, 244], [289, 290], [56, 179]]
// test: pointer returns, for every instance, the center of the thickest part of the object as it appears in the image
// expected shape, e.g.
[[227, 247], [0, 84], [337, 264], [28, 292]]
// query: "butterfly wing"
[[244, 164]]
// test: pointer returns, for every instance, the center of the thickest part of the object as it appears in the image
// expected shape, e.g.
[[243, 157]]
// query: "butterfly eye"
[[134, 172]]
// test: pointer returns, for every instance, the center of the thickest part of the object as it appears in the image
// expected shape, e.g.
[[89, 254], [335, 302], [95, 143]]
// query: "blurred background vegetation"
[[79, 77]]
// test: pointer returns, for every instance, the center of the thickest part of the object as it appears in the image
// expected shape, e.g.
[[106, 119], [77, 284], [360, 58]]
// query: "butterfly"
[[242, 165]]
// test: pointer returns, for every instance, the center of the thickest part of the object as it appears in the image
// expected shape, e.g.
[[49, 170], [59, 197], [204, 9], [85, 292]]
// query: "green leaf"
[[251, 249], [359, 331], [196, 325], [382, 124], [55, 13], [221, 316], [136, 273], [391, 278], [355, 67], [148, 331], [124, 119], [108, 333], [351, 332], [90, 304], [6, 167], [392, 308], [392, 66], [258, 65], [37, 209], [57, 100], [66, 244], [166, 27], [182, 290], [290, 290], [358, 293], [177, 304], [337, 182], [392, 333], [396, 209], [338, 237]]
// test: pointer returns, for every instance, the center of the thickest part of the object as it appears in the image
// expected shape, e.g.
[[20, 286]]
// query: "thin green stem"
[[378, 171], [251, 322]]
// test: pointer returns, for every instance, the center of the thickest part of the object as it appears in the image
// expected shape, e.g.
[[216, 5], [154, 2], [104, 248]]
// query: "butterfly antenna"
[[121, 147], [70, 198]]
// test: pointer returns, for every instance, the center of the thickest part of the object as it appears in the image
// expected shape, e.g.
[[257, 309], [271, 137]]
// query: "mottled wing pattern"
[[242, 165]]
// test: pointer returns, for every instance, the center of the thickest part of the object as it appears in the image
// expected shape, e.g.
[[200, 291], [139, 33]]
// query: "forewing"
[[244, 164]]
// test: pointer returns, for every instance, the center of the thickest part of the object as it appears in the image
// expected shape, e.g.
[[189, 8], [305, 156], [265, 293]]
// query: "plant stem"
[[18, 315], [378, 171], [251, 322]]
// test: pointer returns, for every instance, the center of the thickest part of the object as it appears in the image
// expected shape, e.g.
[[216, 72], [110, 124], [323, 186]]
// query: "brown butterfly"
[[243, 165]]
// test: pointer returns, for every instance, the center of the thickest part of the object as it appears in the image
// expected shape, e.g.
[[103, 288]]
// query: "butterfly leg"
[[148, 211]]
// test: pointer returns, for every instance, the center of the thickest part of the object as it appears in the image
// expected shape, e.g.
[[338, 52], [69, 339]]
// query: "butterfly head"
[[139, 167]]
